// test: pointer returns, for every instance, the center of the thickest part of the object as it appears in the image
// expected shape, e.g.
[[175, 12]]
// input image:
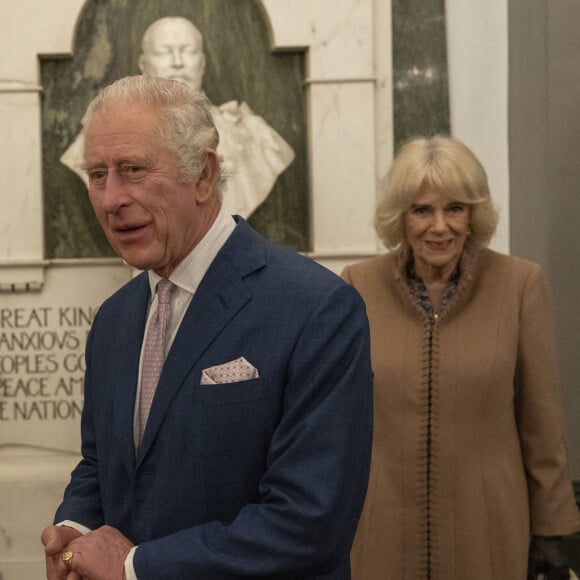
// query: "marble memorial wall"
[[42, 338], [241, 73], [318, 72]]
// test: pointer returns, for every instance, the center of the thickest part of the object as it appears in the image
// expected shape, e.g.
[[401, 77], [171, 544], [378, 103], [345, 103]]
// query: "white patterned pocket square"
[[234, 371]]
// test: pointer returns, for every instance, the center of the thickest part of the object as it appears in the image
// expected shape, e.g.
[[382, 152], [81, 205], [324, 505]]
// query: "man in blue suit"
[[253, 461]]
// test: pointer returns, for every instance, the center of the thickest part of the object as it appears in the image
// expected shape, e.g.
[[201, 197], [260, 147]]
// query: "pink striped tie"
[[154, 351]]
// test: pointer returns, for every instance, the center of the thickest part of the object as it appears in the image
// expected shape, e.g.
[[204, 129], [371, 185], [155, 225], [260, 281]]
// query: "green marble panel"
[[420, 82], [240, 65]]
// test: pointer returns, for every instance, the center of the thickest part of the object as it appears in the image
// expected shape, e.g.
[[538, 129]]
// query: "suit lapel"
[[132, 328], [220, 296]]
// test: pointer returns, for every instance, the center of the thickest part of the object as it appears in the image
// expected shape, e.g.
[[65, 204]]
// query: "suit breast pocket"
[[229, 393]]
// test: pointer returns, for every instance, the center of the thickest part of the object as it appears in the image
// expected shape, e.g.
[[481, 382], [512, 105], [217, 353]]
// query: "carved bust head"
[[172, 47]]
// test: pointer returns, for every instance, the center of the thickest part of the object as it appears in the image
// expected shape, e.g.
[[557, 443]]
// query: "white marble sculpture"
[[254, 153]]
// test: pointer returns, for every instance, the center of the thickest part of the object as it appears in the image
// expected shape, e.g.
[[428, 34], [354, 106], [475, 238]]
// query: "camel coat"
[[468, 456]]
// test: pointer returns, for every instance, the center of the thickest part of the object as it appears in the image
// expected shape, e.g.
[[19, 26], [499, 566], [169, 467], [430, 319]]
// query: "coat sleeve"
[[312, 491], [82, 503], [553, 510]]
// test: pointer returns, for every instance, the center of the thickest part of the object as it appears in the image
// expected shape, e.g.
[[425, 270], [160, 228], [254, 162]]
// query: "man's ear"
[[206, 185]]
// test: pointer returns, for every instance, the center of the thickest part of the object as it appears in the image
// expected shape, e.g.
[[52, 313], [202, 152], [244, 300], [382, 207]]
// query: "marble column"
[[420, 87]]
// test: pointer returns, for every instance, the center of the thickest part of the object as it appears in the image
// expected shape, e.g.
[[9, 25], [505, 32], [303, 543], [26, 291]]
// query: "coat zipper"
[[433, 320]]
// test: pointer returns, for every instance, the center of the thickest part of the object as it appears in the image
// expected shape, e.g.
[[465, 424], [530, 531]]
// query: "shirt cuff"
[[75, 526], [129, 569]]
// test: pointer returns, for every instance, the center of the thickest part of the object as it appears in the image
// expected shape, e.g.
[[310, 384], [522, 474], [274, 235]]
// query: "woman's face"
[[436, 228]]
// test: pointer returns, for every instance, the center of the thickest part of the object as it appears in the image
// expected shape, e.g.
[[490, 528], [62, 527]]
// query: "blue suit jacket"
[[258, 479]]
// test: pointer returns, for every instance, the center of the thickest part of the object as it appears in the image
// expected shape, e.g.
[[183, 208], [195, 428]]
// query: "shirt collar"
[[191, 270]]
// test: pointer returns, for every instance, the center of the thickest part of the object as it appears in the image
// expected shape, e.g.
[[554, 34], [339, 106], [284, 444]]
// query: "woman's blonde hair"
[[449, 167]]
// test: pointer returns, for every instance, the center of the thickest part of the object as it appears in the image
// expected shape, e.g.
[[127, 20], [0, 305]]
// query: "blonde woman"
[[469, 473]]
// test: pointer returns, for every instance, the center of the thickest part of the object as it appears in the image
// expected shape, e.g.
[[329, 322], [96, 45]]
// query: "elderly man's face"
[[151, 218], [173, 49]]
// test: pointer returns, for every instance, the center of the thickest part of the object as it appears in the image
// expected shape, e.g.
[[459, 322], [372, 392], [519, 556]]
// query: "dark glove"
[[548, 556]]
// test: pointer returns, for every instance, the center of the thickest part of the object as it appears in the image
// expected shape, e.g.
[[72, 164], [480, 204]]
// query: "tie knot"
[[164, 289]]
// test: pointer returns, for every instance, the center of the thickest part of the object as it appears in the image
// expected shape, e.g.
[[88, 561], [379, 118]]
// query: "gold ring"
[[67, 557]]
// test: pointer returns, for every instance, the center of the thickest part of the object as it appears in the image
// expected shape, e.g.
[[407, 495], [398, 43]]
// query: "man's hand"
[[99, 555], [55, 540]]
